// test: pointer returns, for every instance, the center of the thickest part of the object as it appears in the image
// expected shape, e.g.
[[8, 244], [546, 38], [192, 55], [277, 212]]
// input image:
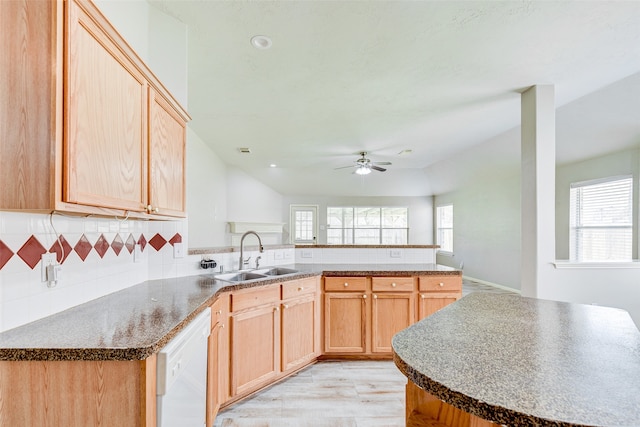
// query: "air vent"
[[245, 150]]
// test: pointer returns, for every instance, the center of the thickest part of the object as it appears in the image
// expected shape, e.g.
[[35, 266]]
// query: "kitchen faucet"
[[242, 260]]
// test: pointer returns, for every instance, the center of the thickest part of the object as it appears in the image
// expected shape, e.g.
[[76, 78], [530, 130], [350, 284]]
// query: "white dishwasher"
[[182, 376]]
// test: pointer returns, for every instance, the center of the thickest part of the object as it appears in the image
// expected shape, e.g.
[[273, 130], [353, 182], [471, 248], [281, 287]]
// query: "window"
[[444, 218], [367, 226], [601, 220], [304, 224]]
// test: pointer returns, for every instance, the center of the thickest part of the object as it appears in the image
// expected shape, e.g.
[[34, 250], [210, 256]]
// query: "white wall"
[[420, 212], [486, 224], [206, 194], [249, 200]]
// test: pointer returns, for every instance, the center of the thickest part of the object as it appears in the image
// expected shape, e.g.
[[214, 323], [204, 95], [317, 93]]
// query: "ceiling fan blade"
[[344, 167], [382, 163], [378, 168]]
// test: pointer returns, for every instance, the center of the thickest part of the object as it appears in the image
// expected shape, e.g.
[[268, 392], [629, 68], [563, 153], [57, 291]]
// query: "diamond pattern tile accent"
[[55, 248], [5, 254], [31, 252], [117, 244], [101, 246], [176, 239], [142, 242], [130, 244], [157, 242], [83, 247]]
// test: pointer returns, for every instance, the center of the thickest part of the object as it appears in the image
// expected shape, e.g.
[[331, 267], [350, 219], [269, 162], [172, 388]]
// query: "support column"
[[538, 177]]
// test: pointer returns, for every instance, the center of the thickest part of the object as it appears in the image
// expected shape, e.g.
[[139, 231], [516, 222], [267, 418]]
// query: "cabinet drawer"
[[349, 284], [383, 284], [440, 283], [298, 288], [254, 297]]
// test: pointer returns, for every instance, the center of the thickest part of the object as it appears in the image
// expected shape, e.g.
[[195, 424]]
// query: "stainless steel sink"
[[276, 271], [240, 276]]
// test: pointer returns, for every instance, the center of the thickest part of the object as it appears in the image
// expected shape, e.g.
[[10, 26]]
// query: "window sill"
[[445, 253], [606, 265]]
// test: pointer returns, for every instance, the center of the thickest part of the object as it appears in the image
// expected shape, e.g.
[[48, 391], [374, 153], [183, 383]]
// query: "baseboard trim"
[[495, 285]]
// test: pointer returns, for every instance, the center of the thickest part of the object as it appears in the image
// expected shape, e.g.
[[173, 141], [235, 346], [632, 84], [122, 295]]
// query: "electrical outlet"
[[395, 253], [306, 253], [46, 260], [178, 250], [278, 255]]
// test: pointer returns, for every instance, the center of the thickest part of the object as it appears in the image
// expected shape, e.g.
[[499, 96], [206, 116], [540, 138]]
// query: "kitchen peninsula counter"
[[137, 322], [523, 361]]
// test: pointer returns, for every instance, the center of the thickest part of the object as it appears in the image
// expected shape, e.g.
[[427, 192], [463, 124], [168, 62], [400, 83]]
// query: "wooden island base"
[[426, 410]]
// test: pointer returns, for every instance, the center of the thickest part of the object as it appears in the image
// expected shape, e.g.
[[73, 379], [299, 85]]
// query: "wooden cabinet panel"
[[255, 353], [298, 332], [78, 393], [390, 313], [167, 148], [430, 302], [347, 284], [218, 366], [392, 284], [297, 288], [345, 322], [440, 283], [251, 298], [106, 109], [31, 40]]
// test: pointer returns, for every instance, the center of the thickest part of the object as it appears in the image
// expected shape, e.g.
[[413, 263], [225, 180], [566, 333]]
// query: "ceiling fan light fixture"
[[363, 170]]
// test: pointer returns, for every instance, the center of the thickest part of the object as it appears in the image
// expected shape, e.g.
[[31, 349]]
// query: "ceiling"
[[434, 77]]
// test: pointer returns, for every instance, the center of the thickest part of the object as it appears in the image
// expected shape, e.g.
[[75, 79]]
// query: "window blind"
[[601, 220]]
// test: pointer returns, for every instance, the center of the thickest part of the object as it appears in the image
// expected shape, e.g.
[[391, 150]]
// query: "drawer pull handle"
[[441, 284], [393, 285], [346, 284]]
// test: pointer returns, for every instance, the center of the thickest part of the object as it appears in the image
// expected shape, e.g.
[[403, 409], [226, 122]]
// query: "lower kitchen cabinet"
[[275, 330], [218, 366], [255, 353], [437, 292], [390, 313], [345, 322], [300, 323], [78, 393]]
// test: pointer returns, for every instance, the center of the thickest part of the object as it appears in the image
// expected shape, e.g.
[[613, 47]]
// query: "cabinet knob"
[[393, 285], [301, 288], [219, 312], [276, 308], [364, 296], [285, 306], [375, 296], [423, 296], [152, 209], [346, 284], [222, 325], [441, 284]]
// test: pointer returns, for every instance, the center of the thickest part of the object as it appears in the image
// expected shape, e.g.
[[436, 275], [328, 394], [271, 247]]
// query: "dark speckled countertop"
[[527, 362], [136, 322]]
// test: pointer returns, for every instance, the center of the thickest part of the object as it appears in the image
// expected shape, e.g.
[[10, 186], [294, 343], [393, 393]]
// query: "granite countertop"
[[527, 362], [137, 322]]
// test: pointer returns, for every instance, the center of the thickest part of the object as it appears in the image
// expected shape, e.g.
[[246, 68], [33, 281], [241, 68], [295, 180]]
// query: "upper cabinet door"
[[167, 145], [105, 116]]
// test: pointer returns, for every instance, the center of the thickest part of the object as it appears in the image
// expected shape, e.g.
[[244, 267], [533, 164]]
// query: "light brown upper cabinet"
[[119, 147]]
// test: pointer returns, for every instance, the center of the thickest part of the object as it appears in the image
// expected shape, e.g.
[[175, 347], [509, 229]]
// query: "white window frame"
[[616, 226], [440, 229], [352, 230], [304, 208]]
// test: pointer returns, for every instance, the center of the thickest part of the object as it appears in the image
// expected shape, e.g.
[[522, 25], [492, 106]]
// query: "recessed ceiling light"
[[261, 42], [273, 165]]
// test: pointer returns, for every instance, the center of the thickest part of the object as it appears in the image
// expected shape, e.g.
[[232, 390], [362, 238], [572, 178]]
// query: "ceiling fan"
[[364, 166]]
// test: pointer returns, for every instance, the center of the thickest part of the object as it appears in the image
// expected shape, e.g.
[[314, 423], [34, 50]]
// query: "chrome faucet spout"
[[242, 260]]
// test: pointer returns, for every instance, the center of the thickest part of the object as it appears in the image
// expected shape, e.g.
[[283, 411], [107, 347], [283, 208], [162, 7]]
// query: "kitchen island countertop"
[[527, 362], [137, 322]]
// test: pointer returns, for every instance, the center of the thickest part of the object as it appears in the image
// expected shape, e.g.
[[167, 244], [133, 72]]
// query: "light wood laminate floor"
[[327, 394]]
